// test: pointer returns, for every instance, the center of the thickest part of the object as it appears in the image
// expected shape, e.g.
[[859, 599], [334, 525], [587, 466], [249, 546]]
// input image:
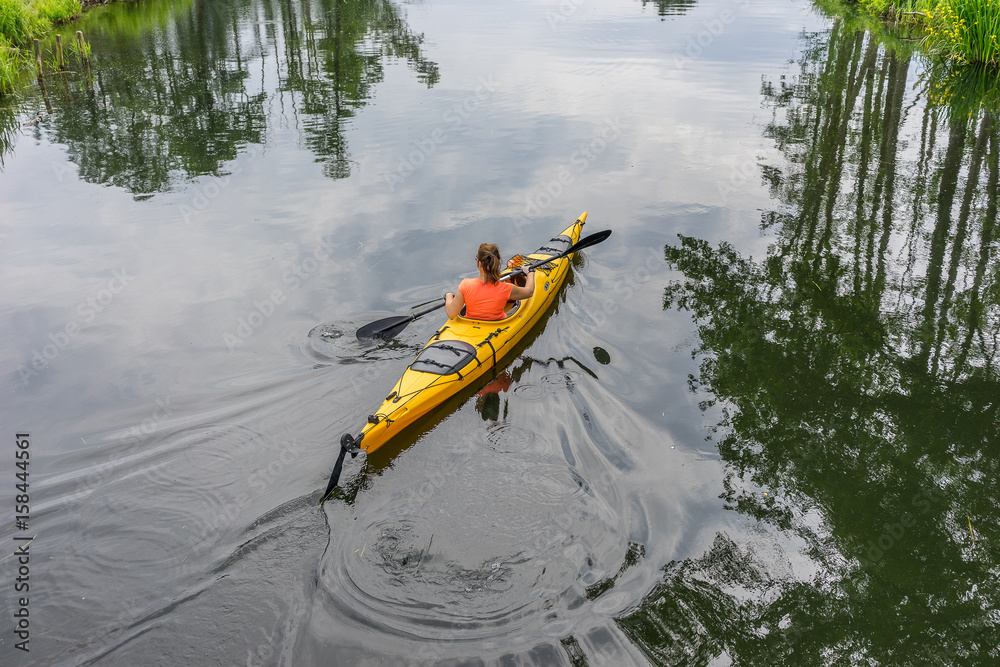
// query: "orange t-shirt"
[[484, 301]]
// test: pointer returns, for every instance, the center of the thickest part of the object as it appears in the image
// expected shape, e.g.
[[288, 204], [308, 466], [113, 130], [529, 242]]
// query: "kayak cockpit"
[[508, 312]]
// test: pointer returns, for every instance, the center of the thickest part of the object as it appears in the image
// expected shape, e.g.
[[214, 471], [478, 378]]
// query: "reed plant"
[[15, 29], [966, 30], [15, 22], [11, 62]]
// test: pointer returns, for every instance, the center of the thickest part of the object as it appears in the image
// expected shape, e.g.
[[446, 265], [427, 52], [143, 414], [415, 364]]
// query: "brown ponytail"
[[489, 257]]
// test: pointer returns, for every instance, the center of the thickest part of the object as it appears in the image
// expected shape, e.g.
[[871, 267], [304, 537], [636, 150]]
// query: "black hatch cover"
[[445, 357]]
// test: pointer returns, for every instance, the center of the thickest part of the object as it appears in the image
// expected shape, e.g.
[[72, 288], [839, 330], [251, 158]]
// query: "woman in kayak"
[[484, 297]]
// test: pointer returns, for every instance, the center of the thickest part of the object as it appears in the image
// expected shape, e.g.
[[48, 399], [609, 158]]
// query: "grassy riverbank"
[[20, 22], [964, 31]]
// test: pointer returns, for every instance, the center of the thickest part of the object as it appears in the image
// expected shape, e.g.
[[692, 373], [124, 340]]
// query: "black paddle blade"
[[585, 242], [588, 241], [384, 329], [347, 444], [335, 477]]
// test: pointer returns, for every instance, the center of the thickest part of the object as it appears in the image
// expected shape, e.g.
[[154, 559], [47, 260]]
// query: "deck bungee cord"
[[443, 367]]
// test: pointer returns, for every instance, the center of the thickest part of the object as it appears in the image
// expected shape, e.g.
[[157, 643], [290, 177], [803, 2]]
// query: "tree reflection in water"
[[855, 371], [189, 87], [9, 128], [666, 8]]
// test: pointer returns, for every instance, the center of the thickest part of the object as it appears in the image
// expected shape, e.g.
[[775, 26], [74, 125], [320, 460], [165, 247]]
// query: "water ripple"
[[336, 342], [529, 392], [563, 380], [529, 533], [507, 438], [181, 496]]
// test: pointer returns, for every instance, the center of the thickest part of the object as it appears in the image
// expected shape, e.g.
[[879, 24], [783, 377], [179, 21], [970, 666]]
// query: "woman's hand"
[[519, 293], [453, 304]]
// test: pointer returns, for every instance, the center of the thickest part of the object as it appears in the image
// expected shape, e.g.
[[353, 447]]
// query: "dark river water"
[[760, 426]]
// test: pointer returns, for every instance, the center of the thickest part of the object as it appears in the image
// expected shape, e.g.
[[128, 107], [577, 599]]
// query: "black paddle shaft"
[[391, 326]]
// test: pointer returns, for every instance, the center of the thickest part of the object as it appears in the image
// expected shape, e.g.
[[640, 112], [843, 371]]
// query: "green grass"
[[56, 11], [964, 32], [897, 10], [20, 22], [15, 29], [11, 62], [15, 22]]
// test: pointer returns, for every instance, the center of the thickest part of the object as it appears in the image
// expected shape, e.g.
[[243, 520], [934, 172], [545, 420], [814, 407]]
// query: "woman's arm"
[[453, 303], [519, 293]]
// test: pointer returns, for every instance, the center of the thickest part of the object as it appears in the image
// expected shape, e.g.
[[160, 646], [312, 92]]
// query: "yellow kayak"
[[464, 350]]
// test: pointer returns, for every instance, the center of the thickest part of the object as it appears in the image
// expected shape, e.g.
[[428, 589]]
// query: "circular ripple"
[[192, 488], [333, 340], [142, 542], [338, 342], [392, 549], [507, 438], [560, 380], [205, 456], [494, 549], [529, 392]]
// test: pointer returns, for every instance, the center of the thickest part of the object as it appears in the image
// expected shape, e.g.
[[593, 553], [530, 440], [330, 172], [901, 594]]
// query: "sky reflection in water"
[[255, 171]]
